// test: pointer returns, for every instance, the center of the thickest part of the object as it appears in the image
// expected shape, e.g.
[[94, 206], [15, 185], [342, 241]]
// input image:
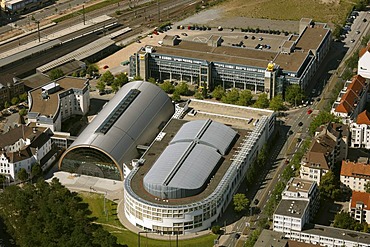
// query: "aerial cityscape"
[[157, 123]]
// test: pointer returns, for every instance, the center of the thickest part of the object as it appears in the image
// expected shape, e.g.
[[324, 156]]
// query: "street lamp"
[[38, 29]]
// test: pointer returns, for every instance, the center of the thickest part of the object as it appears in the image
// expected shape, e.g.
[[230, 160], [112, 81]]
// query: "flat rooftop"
[[50, 106], [338, 233], [239, 117], [299, 185], [291, 208], [312, 37], [156, 150]]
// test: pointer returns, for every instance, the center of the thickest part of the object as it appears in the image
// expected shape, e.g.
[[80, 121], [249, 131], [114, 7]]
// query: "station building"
[[293, 59], [133, 117]]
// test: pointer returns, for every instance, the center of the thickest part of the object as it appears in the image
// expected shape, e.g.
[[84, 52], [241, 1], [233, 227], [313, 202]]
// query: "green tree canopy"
[[245, 98], [55, 74], [100, 86], [329, 186], [240, 202], [345, 221], [182, 89], [121, 79], [22, 175], [115, 87], [15, 100], [218, 93], [198, 95], [50, 215], [92, 69], [22, 112], [167, 87], [107, 78], [322, 118], [23, 97], [231, 97], [6, 104], [262, 101], [277, 103], [36, 170], [294, 95], [176, 96], [367, 187]]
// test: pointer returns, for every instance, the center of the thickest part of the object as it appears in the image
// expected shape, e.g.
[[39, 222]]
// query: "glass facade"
[[90, 161]]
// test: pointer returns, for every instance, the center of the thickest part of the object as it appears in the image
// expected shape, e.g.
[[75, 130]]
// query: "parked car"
[[309, 111], [300, 124], [105, 67]]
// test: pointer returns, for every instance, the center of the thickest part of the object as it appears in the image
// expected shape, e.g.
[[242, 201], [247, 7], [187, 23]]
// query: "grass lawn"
[[329, 11], [124, 236]]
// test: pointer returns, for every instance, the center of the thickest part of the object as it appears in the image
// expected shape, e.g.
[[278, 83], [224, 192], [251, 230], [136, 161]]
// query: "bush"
[[216, 229]]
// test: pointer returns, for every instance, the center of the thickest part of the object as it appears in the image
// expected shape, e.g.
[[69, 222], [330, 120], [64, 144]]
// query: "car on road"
[[256, 201], [290, 132], [184, 34], [300, 124], [364, 20], [352, 40], [358, 31], [309, 111], [237, 235], [138, 41]]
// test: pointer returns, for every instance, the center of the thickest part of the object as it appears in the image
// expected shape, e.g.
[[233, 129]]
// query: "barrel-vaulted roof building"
[[134, 116]]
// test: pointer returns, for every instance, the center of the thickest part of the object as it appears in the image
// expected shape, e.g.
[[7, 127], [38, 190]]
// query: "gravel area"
[[215, 18]]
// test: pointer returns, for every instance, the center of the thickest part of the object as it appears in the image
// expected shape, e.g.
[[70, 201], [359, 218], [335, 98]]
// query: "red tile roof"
[[364, 50], [351, 97], [363, 118], [363, 197], [353, 169]]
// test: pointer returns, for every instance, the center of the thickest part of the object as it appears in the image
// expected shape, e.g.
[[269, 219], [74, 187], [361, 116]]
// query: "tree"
[[23, 97], [100, 86], [92, 69], [6, 104], [294, 94], [198, 95], [367, 187], [36, 170], [137, 78], [176, 96], [182, 89], [64, 219], [152, 80], [216, 229], [121, 79], [240, 202], [322, 118], [22, 112], [115, 87], [218, 92], [107, 78], [167, 87], [277, 103], [245, 98], [2, 179], [262, 101], [329, 186], [56, 73], [345, 221], [15, 100], [22, 174], [231, 97]]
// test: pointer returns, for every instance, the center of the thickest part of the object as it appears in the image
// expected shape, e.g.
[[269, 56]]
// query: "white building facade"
[[27, 146], [355, 175]]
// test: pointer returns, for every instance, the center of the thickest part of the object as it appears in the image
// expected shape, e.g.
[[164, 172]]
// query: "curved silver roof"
[[208, 132], [182, 170], [191, 158], [134, 116]]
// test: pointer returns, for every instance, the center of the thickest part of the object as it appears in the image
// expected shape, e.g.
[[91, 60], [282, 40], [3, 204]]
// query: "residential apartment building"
[[51, 104], [359, 206], [329, 146], [355, 175], [23, 146], [300, 201], [364, 62], [360, 131], [216, 63], [10, 87], [351, 100]]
